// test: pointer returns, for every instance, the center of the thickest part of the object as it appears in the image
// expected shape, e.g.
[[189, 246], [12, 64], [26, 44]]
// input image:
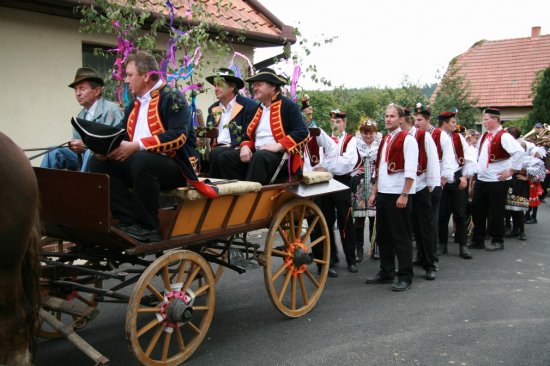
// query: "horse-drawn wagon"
[[171, 304]]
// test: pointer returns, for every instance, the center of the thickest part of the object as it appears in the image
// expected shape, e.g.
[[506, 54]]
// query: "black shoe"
[[379, 279], [430, 274], [532, 220], [441, 249], [436, 266], [332, 273], [474, 245], [401, 286], [512, 234], [522, 236], [352, 268], [360, 254], [465, 253], [494, 246], [122, 225], [139, 233]]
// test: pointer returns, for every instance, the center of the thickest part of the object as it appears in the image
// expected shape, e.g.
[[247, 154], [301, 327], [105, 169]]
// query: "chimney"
[[535, 32]]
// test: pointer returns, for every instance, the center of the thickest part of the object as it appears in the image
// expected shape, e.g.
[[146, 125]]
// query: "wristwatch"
[[405, 194]]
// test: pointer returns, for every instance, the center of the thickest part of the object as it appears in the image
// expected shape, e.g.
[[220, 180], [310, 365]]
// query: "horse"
[[19, 255]]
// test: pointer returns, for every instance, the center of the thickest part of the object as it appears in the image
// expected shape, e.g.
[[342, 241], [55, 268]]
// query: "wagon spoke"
[[312, 279], [280, 253], [147, 327], [300, 221], [201, 290], [191, 278], [283, 236], [293, 293], [317, 241], [319, 261], [155, 292], [291, 223], [154, 340], [310, 229], [279, 271], [181, 271], [166, 279], [285, 285], [149, 310], [201, 308], [179, 338], [303, 289], [193, 327], [166, 347]]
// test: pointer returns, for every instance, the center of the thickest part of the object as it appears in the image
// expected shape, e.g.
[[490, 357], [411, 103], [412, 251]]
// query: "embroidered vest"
[[422, 156], [436, 134], [457, 145], [495, 150], [347, 139], [396, 158], [313, 151]]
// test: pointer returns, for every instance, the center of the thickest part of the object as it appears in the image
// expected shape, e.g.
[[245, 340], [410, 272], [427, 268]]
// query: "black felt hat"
[[268, 75], [492, 111], [86, 73], [227, 75], [336, 113], [445, 116], [420, 108], [305, 102], [100, 138]]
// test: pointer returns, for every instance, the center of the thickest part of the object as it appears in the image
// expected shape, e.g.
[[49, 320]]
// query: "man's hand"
[[372, 200], [246, 154], [463, 183], [77, 146], [443, 181], [124, 151], [320, 169], [273, 147], [401, 201], [505, 174]]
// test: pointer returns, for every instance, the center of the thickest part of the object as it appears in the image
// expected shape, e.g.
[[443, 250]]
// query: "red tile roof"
[[501, 73]]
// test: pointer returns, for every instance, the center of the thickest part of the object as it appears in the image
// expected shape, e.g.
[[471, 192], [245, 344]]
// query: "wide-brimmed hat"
[[268, 75], [227, 75], [98, 137], [86, 73]]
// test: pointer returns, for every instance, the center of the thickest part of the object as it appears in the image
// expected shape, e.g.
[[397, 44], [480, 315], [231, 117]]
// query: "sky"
[[384, 42]]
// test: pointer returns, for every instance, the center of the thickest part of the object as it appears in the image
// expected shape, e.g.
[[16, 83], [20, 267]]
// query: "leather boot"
[[464, 252], [522, 236], [441, 249]]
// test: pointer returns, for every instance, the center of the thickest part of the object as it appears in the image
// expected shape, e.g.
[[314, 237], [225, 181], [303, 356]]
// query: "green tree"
[[454, 92], [541, 101]]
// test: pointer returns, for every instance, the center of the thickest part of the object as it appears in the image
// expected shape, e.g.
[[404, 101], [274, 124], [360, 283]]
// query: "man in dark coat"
[[157, 154], [277, 127], [230, 114]]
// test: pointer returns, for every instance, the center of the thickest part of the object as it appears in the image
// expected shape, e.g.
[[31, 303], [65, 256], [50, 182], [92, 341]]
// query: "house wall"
[[39, 58]]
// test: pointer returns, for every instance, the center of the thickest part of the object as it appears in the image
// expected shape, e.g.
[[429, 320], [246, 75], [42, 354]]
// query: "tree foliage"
[[454, 92], [541, 101]]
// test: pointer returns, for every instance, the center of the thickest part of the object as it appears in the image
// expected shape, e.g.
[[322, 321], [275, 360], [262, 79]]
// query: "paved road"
[[492, 310]]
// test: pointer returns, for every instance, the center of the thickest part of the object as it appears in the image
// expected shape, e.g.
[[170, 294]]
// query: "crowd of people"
[[404, 186]]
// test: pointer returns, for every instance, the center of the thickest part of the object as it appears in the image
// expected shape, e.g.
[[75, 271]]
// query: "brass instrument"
[[539, 138]]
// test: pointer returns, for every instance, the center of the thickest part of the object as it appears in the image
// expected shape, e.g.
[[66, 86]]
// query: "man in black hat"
[[277, 127], [230, 114], [499, 157], [88, 88], [307, 111], [455, 193], [158, 153]]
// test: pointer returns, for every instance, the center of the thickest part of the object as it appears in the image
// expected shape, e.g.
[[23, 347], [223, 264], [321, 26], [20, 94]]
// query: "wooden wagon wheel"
[[170, 309], [79, 298], [294, 279]]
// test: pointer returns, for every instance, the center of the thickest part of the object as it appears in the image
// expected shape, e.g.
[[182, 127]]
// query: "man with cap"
[[307, 111], [159, 152], [276, 128], [427, 178], [88, 88], [454, 197], [230, 114], [499, 157]]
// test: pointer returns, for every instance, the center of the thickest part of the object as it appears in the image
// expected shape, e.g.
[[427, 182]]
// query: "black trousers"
[[213, 163], [260, 169], [135, 185], [489, 200], [453, 200], [393, 234], [336, 207], [423, 227]]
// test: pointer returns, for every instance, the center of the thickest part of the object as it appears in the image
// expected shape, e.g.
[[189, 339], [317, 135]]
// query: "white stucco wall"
[[39, 55]]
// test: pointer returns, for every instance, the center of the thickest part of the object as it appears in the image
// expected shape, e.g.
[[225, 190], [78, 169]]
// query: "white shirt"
[[490, 172], [470, 155], [142, 126], [264, 135], [469, 165], [328, 151], [394, 183], [225, 134], [448, 162], [344, 161], [91, 112], [432, 176]]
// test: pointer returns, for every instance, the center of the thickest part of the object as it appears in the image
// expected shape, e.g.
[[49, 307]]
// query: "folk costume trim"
[[156, 127], [313, 151], [217, 113], [457, 147], [422, 156], [436, 134], [394, 153], [495, 151]]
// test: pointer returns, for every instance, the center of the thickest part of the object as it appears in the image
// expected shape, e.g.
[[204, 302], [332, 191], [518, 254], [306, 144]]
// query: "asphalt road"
[[492, 310]]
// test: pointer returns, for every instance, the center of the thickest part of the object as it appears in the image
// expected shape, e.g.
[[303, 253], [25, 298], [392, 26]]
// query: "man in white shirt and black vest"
[[455, 193], [499, 157], [396, 168]]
